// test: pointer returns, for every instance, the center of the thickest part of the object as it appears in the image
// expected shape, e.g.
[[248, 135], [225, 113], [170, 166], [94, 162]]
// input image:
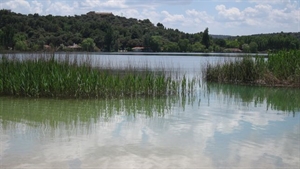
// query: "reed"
[[65, 77], [280, 69]]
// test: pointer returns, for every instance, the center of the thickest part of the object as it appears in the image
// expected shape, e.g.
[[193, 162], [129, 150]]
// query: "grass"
[[280, 69], [66, 77]]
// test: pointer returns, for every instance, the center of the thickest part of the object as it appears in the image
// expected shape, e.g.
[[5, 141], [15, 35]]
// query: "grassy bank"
[[280, 69], [49, 76]]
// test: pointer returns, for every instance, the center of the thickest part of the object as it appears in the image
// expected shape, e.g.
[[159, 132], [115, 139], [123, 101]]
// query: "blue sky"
[[227, 17]]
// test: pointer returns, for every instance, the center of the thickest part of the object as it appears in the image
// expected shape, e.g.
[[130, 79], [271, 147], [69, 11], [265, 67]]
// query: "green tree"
[[205, 38], [19, 40], [1, 38], [108, 39], [146, 40], [246, 48], [9, 33], [198, 47], [160, 25], [156, 43], [253, 47], [232, 44], [220, 42], [171, 47], [88, 44], [183, 45], [21, 46]]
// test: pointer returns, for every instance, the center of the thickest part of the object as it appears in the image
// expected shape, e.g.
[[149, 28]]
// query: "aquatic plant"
[[47, 75], [280, 69], [63, 76]]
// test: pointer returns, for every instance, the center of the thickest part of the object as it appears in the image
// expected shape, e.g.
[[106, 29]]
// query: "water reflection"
[[217, 126], [283, 99], [52, 112]]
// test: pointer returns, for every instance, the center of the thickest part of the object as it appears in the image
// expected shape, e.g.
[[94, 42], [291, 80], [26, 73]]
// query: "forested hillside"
[[106, 32]]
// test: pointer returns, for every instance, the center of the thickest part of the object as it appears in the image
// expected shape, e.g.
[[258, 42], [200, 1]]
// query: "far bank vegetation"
[[106, 32]]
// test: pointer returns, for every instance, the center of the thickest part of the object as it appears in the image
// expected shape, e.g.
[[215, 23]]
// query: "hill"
[[97, 31]]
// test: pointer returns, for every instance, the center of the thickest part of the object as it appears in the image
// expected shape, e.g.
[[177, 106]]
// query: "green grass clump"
[[285, 65], [280, 69], [239, 71], [49, 76]]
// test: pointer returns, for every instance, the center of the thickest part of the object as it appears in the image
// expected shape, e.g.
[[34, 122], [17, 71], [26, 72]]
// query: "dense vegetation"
[[106, 32], [281, 69], [44, 75]]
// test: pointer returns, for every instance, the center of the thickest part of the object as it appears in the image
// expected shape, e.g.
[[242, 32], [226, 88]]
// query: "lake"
[[216, 126]]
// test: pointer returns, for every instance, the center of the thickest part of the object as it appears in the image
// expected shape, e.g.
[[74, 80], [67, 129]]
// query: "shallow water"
[[217, 126]]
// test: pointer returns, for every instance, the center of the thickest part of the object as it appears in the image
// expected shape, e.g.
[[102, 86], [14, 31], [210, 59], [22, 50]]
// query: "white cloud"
[[263, 16], [131, 13], [200, 15], [61, 8], [104, 4], [152, 15], [37, 7], [270, 1], [172, 18], [164, 2], [232, 14], [15, 4]]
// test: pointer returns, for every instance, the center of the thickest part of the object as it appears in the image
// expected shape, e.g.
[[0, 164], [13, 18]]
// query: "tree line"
[[106, 32]]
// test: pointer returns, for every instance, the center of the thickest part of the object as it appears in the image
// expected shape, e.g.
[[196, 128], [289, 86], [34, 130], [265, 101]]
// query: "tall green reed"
[[280, 69], [76, 77]]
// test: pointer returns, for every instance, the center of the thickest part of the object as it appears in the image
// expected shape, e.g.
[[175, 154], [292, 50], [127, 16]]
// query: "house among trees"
[[100, 13], [141, 49], [47, 47], [138, 49], [74, 46], [234, 50]]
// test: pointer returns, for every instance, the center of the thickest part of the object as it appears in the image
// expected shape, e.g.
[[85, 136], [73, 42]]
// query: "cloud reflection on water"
[[228, 128]]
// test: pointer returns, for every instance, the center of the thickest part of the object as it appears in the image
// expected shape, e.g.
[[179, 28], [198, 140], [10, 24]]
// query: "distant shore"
[[148, 53]]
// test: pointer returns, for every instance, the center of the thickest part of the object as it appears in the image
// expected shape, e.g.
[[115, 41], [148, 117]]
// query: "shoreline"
[[214, 54]]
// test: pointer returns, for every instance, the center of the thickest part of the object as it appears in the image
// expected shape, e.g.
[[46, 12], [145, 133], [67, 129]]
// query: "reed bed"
[[66, 77], [280, 69]]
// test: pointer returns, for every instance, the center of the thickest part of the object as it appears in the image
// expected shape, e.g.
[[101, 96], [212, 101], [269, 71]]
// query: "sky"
[[221, 17]]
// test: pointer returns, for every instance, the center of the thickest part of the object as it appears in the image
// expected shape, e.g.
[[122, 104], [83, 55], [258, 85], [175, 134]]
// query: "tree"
[[253, 47], [19, 40], [246, 48], [156, 43], [146, 40], [205, 38], [1, 38], [88, 44], [8, 32], [108, 39], [21, 46], [198, 47], [171, 47], [232, 44], [183, 45], [220, 42], [160, 25]]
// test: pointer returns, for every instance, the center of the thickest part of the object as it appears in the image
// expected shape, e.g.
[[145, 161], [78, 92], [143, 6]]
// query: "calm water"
[[218, 126]]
